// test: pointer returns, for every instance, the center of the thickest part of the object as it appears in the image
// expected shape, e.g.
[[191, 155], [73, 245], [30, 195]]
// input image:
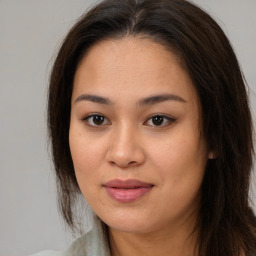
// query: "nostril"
[[124, 164], [132, 163]]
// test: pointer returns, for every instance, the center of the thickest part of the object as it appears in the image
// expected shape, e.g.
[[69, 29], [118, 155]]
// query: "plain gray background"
[[30, 33]]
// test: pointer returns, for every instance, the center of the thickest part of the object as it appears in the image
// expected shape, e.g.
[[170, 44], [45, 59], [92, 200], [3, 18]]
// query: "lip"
[[126, 191]]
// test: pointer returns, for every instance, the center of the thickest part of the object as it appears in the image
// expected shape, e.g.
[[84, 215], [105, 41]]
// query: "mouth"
[[126, 191]]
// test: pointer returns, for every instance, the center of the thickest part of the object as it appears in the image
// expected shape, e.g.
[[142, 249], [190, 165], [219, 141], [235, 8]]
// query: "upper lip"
[[126, 184]]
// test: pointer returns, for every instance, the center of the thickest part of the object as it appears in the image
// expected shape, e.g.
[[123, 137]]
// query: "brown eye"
[[96, 120], [159, 121]]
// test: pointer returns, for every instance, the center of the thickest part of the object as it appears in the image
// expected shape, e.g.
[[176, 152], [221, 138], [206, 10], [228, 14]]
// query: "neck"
[[170, 241]]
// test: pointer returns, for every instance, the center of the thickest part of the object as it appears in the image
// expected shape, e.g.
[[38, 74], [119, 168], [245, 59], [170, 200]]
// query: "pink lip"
[[126, 191]]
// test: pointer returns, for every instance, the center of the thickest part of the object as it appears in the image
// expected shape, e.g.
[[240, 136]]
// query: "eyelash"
[[165, 119], [87, 118]]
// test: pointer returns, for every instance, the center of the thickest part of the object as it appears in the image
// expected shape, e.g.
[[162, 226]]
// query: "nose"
[[125, 149]]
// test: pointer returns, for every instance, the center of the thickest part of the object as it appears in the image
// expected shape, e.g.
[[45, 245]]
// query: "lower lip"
[[127, 195]]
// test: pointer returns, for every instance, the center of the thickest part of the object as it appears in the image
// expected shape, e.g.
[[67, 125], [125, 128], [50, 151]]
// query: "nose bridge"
[[125, 148]]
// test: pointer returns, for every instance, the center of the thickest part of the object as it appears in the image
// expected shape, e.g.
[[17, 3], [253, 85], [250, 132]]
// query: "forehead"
[[132, 65]]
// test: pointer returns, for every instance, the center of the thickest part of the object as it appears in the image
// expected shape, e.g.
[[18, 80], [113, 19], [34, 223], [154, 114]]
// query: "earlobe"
[[212, 155]]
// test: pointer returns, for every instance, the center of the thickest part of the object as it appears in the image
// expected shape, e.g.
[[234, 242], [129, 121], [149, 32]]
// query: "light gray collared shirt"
[[92, 243]]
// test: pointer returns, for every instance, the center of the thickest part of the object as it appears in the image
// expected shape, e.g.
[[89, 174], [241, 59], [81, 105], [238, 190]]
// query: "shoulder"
[[48, 253], [92, 243]]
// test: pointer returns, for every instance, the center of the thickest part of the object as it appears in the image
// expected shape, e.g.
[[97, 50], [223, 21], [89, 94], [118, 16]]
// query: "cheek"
[[87, 156], [180, 159], [180, 166], [179, 149]]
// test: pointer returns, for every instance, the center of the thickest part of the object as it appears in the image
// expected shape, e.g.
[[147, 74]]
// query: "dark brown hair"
[[226, 223]]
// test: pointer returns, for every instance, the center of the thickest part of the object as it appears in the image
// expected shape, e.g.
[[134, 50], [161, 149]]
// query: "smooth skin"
[[135, 114]]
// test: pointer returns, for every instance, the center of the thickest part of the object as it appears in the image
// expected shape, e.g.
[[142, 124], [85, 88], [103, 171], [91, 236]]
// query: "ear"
[[212, 155]]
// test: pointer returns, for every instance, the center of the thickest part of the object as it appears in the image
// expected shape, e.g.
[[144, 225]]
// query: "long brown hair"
[[226, 223]]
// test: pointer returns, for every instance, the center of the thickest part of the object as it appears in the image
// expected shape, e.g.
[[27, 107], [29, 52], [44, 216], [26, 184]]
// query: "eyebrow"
[[160, 98], [145, 101], [94, 98]]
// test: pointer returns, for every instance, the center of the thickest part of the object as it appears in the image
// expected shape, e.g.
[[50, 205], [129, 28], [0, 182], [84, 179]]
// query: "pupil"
[[157, 120], [98, 120]]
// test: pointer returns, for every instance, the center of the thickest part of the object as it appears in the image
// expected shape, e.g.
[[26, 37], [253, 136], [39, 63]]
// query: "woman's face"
[[135, 136]]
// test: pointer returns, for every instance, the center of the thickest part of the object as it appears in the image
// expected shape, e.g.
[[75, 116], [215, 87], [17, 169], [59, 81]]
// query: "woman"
[[149, 120]]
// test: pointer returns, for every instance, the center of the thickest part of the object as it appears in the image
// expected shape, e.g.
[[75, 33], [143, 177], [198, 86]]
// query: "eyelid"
[[85, 119], [167, 117]]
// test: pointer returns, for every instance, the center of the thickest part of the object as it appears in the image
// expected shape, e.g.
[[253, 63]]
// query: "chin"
[[128, 223], [129, 228]]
